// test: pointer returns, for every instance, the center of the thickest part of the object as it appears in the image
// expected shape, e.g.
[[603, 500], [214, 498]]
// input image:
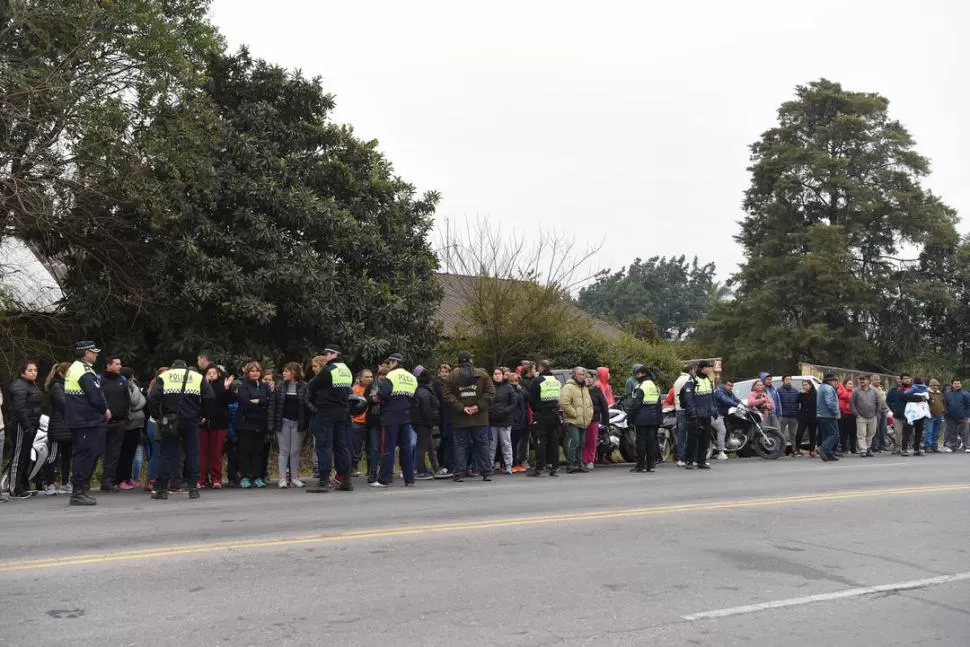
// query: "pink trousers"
[[589, 446]]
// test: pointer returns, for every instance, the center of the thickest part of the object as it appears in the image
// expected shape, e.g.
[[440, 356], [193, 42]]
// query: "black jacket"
[[520, 416], [645, 415], [249, 416], [502, 412], [806, 406], [323, 398], [115, 389], [277, 400], [217, 412], [189, 406], [25, 401], [57, 429], [547, 412], [601, 409], [425, 410]]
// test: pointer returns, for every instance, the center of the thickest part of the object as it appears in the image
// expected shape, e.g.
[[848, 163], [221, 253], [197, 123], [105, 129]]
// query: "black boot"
[[160, 495], [81, 497], [194, 493], [346, 485], [533, 472]]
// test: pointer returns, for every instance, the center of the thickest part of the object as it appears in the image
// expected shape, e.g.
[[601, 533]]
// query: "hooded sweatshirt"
[[631, 382], [603, 382]]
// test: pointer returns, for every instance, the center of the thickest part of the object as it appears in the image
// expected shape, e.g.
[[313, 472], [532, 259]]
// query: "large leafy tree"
[[836, 222], [254, 224], [671, 292]]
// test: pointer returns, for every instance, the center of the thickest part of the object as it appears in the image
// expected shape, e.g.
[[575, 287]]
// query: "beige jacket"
[[576, 404]]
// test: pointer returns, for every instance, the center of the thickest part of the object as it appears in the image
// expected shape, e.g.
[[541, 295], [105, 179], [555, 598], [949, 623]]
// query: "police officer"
[[397, 394], [85, 414], [698, 400], [647, 414], [327, 398], [544, 399], [178, 397]]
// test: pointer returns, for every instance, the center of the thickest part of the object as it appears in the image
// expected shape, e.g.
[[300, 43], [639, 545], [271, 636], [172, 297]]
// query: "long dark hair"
[[24, 365]]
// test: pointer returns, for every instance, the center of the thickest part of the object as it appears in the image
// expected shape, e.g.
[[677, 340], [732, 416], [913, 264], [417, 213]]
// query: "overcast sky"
[[623, 120]]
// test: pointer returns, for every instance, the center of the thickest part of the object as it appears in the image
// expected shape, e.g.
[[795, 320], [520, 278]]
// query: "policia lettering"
[[172, 382], [341, 376], [549, 389], [402, 382]]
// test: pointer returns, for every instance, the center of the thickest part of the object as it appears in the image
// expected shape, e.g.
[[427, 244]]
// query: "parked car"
[[743, 388]]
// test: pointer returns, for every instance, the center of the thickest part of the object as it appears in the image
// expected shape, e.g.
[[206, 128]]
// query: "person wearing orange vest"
[[361, 427]]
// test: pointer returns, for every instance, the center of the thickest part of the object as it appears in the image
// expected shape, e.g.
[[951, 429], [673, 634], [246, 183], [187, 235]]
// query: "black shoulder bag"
[[168, 423]]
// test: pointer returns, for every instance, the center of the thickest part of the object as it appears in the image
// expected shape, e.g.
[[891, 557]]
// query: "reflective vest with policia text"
[[340, 376], [402, 383], [651, 394], [79, 410], [172, 382], [549, 389]]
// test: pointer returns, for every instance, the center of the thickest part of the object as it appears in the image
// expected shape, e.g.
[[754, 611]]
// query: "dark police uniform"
[[84, 411]]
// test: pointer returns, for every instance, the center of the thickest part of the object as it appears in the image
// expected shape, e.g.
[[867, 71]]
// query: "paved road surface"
[[608, 558]]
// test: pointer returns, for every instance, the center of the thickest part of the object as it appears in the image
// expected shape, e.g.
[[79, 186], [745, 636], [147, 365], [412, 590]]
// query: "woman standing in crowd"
[[760, 401], [500, 417], [133, 430], [25, 402], [213, 428], [287, 416], [62, 443], [445, 453], [807, 421], [424, 418], [601, 414], [252, 395], [520, 426], [847, 430]]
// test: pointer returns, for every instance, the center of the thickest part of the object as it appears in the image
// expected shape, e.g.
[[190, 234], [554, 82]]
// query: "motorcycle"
[[667, 435], [617, 435], [747, 431], [39, 451]]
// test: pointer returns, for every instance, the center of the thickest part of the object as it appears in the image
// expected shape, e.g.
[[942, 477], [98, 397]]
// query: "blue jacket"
[[698, 405], [773, 392], [788, 396], [395, 408], [958, 404], [828, 402], [86, 409], [725, 400]]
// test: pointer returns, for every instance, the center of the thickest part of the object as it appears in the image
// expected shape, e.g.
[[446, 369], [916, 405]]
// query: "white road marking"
[[824, 597]]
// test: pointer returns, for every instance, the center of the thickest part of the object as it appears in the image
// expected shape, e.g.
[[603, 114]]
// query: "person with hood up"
[[500, 418], [631, 382], [647, 414], [577, 409], [603, 382], [469, 393], [601, 416]]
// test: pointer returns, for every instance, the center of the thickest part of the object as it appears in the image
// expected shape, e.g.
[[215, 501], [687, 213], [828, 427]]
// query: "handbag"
[[168, 423]]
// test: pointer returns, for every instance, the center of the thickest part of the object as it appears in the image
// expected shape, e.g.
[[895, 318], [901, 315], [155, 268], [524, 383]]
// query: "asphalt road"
[[749, 553]]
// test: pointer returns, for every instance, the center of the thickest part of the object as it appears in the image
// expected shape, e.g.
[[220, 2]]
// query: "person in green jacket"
[[577, 410]]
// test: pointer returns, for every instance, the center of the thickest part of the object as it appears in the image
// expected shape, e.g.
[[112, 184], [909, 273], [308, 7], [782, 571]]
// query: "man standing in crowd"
[[864, 404], [397, 396], [788, 413], [115, 388], [85, 413], [646, 414], [827, 414], [724, 399], [773, 418], [327, 397], [176, 401], [544, 400], [897, 404], [698, 396], [469, 393], [682, 454], [957, 418], [577, 410], [882, 423]]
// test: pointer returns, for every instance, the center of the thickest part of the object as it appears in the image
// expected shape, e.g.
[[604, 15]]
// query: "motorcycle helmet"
[[358, 404]]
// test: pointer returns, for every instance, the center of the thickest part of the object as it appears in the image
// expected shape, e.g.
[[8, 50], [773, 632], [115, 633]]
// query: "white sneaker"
[[590, 466], [378, 484], [966, 451], [722, 456], [283, 484], [947, 450], [297, 483], [50, 490], [66, 489], [681, 464]]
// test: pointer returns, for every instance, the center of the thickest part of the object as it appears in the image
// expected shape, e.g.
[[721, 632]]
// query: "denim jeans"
[[931, 438], [829, 435], [882, 426], [574, 457], [475, 440], [682, 435]]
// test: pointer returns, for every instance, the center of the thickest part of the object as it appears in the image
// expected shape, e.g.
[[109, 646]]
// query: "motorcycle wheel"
[[771, 446], [667, 447], [628, 446]]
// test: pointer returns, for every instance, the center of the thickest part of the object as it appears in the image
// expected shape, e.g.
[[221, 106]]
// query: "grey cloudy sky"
[[628, 120]]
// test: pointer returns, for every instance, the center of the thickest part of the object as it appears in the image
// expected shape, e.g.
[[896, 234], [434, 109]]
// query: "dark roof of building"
[[457, 288]]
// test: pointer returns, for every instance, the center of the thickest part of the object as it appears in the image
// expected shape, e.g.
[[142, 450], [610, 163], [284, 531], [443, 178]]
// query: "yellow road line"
[[383, 533]]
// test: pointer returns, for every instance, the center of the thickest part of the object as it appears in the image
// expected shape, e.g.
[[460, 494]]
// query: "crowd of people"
[[200, 427]]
